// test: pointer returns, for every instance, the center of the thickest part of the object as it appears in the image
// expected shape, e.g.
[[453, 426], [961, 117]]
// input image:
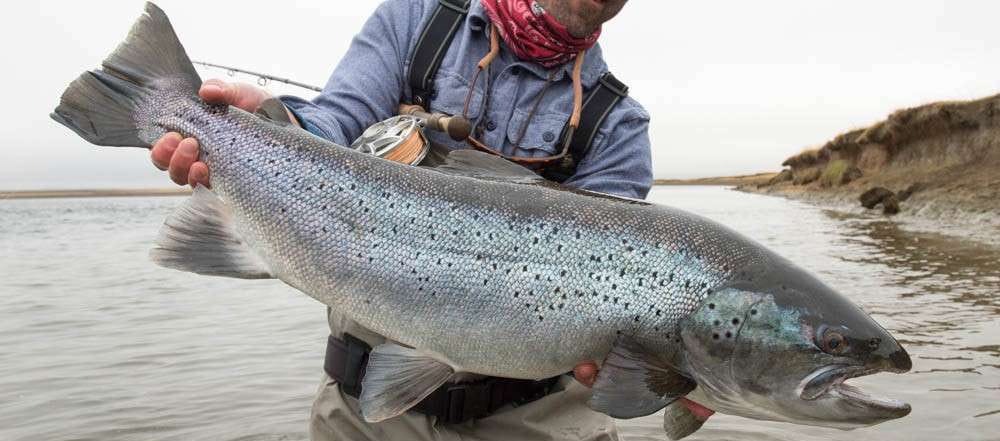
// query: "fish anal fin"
[[396, 379], [200, 237], [631, 384]]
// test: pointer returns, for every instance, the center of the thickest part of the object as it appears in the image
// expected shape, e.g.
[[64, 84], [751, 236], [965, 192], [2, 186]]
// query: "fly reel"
[[400, 139]]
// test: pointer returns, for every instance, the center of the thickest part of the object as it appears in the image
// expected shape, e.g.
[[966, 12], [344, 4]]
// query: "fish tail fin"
[[117, 104]]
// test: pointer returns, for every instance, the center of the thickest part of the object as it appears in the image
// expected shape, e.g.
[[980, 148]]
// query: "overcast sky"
[[732, 86]]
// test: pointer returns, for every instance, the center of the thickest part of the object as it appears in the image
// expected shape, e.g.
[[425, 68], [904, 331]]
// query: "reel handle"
[[457, 127]]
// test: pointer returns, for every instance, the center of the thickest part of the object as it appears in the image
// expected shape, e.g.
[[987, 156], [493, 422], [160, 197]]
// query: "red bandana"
[[535, 35]]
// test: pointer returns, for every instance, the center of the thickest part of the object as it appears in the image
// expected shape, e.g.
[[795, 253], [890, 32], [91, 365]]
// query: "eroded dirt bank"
[[937, 163]]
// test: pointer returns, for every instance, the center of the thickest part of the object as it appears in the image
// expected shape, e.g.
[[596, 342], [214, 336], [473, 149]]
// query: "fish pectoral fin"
[[679, 421], [630, 384], [200, 237], [396, 379]]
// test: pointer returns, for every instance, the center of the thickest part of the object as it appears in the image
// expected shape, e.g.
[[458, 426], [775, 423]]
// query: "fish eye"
[[831, 341]]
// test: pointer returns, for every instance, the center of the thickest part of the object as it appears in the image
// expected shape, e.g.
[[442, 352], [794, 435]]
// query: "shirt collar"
[[593, 63]]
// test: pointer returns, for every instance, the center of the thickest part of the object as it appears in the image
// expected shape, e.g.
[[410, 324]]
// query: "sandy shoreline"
[[93, 193]]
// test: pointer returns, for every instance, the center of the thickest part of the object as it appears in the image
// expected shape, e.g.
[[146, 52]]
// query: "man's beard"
[[582, 21]]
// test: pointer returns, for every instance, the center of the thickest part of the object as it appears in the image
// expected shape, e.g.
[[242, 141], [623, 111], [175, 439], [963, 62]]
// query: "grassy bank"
[[942, 159]]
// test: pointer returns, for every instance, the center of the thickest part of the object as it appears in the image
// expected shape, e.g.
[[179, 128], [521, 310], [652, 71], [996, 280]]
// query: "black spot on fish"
[[517, 294], [562, 273], [729, 334], [711, 306], [715, 336], [736, 321], [614, 286], [577, 234], [534, 240], [753, 312], [658, 312], [718, 322]]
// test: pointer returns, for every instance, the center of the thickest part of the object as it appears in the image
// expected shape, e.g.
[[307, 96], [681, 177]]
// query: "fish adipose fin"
[[679, 421], [630, 385], [104, 106], [396, 379], [200, 238]]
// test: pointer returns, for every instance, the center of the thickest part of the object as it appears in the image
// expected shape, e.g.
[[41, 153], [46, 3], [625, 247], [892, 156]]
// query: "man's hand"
[[179, 156], [586, 373]]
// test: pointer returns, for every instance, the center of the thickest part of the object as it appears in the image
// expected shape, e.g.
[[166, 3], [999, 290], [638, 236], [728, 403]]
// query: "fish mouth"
[[829, 382]]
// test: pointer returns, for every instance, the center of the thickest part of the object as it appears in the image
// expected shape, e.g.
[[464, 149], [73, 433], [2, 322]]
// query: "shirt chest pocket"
[[450, 93], [534, 136]]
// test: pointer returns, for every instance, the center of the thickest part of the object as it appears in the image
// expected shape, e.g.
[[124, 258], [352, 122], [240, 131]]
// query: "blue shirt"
[[370, 82]]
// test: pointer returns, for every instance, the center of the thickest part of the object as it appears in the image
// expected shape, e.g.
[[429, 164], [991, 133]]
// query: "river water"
[[97, 343]]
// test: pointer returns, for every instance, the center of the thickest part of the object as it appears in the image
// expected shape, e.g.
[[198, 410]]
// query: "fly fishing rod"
[[262, 78], [398, 138]]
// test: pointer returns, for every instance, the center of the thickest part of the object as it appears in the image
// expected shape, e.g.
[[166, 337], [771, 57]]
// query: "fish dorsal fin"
[[396, 379], [200, 237], [630, 384], [476, 164]]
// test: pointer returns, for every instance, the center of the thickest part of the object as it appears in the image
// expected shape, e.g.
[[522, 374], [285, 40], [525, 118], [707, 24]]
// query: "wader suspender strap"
[[602, 99], [431, 47]]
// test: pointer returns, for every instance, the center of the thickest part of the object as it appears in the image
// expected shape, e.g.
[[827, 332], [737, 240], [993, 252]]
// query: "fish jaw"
[[827, 387]]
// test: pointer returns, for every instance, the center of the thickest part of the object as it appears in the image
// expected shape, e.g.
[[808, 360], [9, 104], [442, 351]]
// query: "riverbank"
[[937, 164], [93, 193]]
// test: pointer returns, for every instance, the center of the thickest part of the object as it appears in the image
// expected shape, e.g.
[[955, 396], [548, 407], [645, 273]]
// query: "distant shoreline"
[[754, 179], [93, 193]]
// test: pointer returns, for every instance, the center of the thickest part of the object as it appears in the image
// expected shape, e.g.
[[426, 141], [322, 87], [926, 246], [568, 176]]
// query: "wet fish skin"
[[497, 274]]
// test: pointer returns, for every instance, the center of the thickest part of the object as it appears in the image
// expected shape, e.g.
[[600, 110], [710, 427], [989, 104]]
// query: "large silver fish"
[[479, 266]]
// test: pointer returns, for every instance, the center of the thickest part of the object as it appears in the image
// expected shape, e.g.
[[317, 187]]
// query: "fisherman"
[[545, 100]]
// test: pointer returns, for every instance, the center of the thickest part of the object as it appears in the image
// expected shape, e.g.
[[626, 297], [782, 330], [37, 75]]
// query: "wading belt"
[[452, 403], [432, 45]]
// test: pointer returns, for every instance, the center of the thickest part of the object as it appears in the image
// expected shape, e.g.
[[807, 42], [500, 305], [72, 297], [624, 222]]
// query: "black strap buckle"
[[614, 85]]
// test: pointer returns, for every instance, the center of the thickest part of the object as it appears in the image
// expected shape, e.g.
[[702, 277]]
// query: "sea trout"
[[480, 266]]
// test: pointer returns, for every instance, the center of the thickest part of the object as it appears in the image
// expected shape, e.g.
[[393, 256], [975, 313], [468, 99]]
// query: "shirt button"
[[491, 125], [549, 136]]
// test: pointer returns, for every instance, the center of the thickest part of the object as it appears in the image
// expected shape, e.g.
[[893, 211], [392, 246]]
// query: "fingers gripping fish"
[[480, 266]]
